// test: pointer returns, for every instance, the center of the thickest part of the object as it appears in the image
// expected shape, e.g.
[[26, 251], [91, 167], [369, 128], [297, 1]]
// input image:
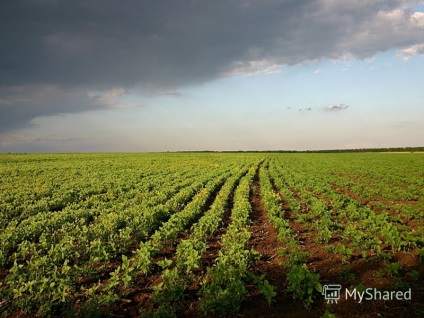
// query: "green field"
[[215, 234]]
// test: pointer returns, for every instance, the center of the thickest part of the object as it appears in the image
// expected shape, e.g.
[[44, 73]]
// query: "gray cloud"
[[91, 45], [20, 104]]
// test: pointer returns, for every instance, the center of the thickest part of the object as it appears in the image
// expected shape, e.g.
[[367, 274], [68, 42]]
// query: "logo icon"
[[331, 293]]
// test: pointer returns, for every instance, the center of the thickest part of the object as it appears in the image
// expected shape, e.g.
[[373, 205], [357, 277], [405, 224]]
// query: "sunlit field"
[[215, 234]]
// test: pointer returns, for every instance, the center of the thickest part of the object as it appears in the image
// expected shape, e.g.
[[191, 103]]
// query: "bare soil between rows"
[[264, 240]]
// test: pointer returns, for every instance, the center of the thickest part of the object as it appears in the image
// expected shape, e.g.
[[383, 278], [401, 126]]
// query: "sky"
[[140, 76]]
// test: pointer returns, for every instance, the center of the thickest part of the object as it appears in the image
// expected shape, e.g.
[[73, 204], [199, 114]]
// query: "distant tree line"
[[397, 149], [394, 149]]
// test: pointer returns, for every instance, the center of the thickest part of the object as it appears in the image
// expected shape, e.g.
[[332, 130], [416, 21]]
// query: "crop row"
[[170, 292], [302, 283]]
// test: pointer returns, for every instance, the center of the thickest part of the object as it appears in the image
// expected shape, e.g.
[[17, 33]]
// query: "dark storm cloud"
[[88, 45]]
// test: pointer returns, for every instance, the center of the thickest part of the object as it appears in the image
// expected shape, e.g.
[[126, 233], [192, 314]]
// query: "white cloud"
[[411, 51], [418, 18], [336, 107]]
